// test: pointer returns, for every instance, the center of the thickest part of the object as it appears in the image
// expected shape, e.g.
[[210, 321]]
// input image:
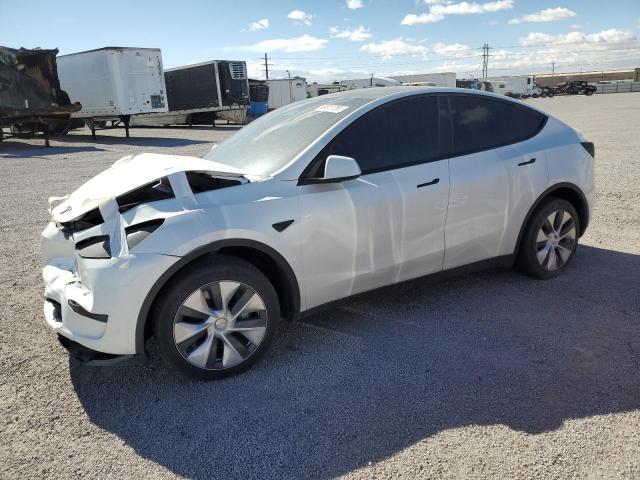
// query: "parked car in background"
[[317, 201]]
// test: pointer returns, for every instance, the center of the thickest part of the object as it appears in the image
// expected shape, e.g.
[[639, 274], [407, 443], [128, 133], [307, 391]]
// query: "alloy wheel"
[[220, 325], [556, 240]]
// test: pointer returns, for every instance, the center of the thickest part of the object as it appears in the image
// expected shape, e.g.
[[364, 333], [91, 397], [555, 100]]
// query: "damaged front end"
[[96, 268]]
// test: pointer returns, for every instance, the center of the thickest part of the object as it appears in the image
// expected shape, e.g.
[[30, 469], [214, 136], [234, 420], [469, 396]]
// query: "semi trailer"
[[113, 84], [203, 92]]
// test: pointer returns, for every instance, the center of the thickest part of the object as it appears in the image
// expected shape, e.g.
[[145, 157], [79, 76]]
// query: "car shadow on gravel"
[[363, 381], [139, 141], [9, 149]]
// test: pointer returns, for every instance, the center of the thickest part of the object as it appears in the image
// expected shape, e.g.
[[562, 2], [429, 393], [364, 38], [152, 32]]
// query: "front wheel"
[[216, 318], [550, 239]]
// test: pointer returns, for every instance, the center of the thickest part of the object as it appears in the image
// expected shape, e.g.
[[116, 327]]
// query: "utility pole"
[[266, 66], [371, 81], [485, 60], [553, 70]]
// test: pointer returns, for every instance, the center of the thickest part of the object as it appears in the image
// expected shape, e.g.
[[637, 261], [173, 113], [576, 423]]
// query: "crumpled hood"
[[127, 174]]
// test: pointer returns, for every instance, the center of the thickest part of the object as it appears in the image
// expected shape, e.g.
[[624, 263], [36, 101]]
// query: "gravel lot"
[[492, 375]]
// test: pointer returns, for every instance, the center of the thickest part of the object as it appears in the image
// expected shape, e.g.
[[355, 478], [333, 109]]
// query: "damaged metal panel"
[[29, 86]]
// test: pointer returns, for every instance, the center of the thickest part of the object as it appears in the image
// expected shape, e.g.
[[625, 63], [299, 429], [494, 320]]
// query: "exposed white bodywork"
[[283, 91], [345, 238], [114, 81]]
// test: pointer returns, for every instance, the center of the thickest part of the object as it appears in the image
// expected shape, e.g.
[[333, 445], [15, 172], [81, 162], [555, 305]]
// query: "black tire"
[[551, 94], [527, 260], [206, 271]]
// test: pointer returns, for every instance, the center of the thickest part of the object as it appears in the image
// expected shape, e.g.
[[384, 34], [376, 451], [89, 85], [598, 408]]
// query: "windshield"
[[267, 144]]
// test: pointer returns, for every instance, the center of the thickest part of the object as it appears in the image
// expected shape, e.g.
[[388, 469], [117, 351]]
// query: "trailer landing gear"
[[94, 124]]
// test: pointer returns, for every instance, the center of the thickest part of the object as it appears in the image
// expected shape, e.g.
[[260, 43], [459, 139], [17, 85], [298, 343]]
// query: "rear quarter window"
[[482, 123]]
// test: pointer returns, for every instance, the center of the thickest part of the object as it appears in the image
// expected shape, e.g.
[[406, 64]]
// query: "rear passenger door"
[[387, 225], [497, 169]]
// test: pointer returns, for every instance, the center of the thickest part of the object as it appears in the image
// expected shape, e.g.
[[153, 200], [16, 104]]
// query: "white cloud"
[[354, 4], [259, 25], [390, 48], [413, 19], [546, 15], [300, 16], [575, 26], [358, 34], [604, 37], [438, 9], [304, 43], [453, 49], [466, 8]]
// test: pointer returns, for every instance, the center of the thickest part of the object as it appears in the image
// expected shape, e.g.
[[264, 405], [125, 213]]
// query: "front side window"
[[399, 133], [481, 123]]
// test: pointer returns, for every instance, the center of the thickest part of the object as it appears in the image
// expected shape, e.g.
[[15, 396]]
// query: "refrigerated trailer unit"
[[114, 83], [208, 90]]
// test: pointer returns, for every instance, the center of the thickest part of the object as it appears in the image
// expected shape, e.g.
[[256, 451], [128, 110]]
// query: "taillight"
[[589, 147]]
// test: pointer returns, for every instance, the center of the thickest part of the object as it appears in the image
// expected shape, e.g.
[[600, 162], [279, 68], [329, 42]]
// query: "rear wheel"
[[216, 319], [550, 239]]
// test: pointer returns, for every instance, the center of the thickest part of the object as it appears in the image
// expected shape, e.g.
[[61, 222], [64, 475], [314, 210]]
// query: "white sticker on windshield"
[[331, 108]]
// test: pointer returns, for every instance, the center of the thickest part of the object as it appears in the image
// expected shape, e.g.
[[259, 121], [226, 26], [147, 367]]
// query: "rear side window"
[[400, 133], [481, 123]]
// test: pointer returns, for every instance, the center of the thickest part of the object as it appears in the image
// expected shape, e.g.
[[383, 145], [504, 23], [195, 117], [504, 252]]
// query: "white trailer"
[[444, 79], [283, 91], [370, 82], [515, 86], [113, 83], [318, 89]]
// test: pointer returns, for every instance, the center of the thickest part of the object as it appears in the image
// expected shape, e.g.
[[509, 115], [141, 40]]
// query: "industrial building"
[[551, 80]]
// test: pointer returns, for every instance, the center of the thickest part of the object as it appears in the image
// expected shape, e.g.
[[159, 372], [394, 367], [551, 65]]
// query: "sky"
[[331, 40]]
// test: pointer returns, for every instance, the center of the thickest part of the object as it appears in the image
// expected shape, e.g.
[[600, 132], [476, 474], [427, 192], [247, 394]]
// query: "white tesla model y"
[[314, 202]]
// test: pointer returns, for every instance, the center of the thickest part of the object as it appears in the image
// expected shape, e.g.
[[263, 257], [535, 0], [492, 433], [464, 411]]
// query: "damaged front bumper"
[[95, 302]]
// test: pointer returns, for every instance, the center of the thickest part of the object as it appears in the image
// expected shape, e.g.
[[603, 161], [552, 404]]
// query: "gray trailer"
[[202, 92]]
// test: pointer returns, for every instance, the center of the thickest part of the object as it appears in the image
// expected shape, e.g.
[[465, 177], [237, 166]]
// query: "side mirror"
[[338, 168]]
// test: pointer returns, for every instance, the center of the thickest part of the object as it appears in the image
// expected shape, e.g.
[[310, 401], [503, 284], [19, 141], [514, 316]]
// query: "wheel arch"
[[567, 191], [261, 256]]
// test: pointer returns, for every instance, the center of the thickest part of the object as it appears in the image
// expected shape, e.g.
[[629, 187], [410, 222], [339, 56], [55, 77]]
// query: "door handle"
[[432, 182], [533, 160]]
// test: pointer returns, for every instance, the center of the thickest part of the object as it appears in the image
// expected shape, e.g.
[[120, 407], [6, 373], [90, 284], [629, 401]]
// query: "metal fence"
[[618, 86]]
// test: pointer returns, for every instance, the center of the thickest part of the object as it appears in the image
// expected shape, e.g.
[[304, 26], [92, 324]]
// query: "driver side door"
[[387, 225]]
